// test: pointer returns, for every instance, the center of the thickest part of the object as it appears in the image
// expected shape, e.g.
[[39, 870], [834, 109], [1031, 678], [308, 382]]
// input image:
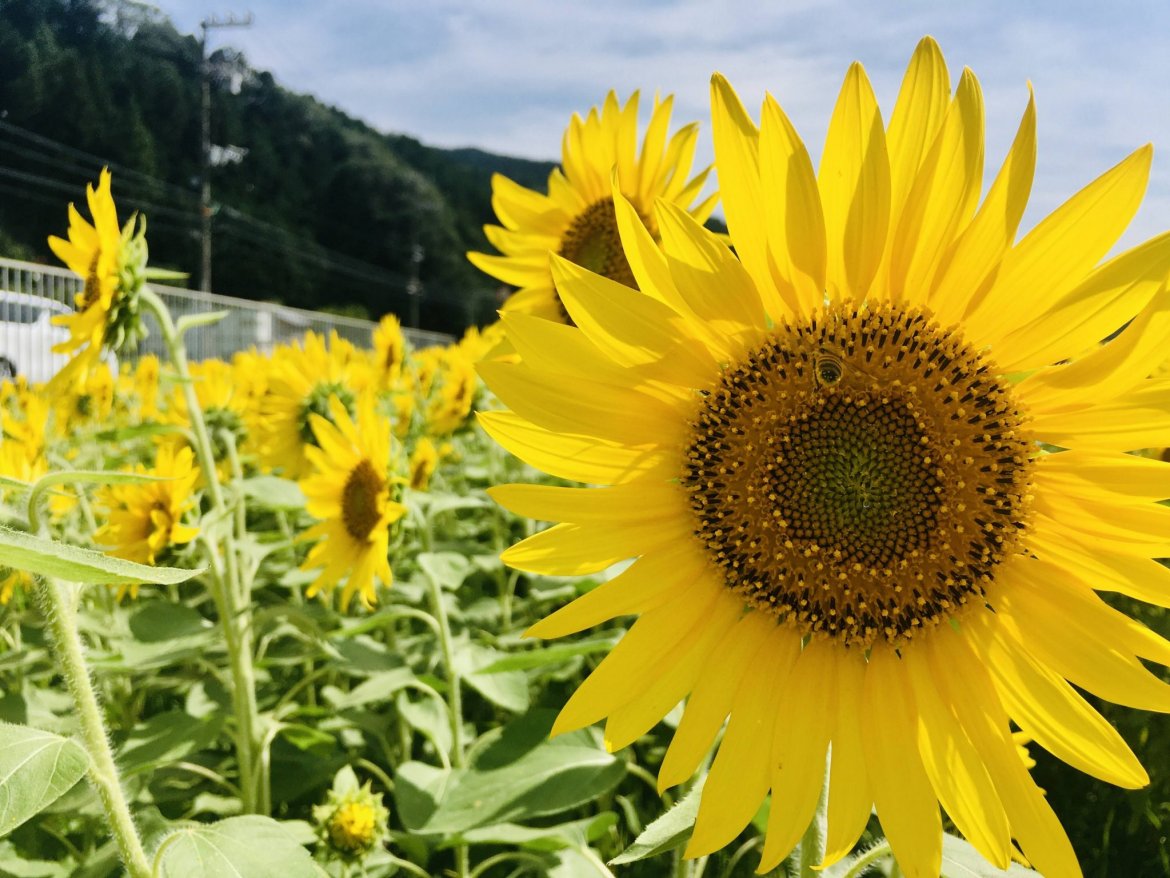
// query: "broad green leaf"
[[239, 847], [961, 860], [553, 654], [23, 551], [516, 775], [36, 768], [671, 830], [449, 569], [380, 687], [165, 738], [541, 838], [429, 716], [507, 689], [274, 493]]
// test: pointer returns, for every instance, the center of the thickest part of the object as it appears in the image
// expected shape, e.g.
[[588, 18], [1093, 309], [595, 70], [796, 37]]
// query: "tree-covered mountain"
[[324, 211]]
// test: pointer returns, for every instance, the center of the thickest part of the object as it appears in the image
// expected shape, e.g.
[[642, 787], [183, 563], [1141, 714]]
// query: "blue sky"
[[505, 75]]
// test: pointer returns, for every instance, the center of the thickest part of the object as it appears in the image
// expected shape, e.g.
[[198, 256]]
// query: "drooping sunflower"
[[576, 218], [224, 405], [389, 352], [873, 473], [144, 520], [351, 489]]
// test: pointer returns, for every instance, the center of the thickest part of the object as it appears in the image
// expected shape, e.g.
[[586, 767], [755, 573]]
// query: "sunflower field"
[[847, 524]]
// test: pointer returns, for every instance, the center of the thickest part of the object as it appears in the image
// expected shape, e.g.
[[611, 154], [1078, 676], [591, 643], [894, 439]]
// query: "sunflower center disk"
[[861, 475], [592, 241], [360, 512]]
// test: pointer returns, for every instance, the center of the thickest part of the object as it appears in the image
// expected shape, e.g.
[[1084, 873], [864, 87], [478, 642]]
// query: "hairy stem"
[[58, 603]]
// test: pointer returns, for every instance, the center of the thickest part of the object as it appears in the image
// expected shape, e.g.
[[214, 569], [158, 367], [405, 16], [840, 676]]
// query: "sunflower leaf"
[[671, 830], [258, 847], [961, 860], [44, 557], [36, 769]]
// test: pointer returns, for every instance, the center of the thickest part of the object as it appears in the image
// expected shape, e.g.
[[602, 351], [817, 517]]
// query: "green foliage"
[[36, 769], [125, 86]]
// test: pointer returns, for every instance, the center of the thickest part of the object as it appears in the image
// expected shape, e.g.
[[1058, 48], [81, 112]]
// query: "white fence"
[[26, 334]]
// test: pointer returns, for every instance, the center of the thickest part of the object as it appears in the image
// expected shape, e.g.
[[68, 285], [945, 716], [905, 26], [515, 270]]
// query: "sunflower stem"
[[59, 606], [812, 844], [233, 607], [879, 851], [454, 683]]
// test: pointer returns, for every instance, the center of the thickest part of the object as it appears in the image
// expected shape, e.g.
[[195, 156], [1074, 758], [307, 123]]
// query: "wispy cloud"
[[506, 75]]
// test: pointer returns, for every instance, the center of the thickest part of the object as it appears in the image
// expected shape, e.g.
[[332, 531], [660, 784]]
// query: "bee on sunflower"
[[872, 467], [576, 219]]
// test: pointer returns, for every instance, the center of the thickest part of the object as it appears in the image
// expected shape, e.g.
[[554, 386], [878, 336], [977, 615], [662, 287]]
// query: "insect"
[[827, 369]]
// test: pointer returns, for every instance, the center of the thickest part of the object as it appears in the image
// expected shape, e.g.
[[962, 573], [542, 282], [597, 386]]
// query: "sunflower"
[[224, 407], [872, 470], [423, 461], [145, 520], [350, 489], [111, 260], [576, 218], [301, 381], [389, 352]]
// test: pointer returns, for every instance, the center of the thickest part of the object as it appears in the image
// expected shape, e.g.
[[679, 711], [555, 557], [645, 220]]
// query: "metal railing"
[[27, 334]]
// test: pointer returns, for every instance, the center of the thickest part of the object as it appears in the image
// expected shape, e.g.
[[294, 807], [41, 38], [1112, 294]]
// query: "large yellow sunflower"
[[576, 218], [873, 471], [350, 489]]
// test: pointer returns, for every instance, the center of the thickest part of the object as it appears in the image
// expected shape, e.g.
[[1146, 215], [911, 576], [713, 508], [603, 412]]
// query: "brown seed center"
[[359, 500], [862, 474]]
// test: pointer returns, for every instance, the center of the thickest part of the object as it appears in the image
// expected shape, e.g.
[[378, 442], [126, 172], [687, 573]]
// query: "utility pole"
[[205, 138], [414, 287]]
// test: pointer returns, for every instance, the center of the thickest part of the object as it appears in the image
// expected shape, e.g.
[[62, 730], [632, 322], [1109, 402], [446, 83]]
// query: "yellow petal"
[[906, 804], [713, 697], [661, 635], [850, 795], [967, 272], [942, 198], [918, 114], [854, 180], [1051, 712], [739, 777], [1088, 473], [631, 503], [1057, 254], [792, 209], [575, 549], [578, 458], [954, 764], [737, 156], [807, 710]]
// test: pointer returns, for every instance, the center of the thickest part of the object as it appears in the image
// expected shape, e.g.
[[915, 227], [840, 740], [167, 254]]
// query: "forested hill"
[[323, 211]]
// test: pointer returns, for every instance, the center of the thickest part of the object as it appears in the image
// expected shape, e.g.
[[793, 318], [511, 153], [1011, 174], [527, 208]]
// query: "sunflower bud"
[[352, 821]]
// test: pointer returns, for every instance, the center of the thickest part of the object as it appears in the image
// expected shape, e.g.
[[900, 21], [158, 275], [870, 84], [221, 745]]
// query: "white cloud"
[[506, 75]]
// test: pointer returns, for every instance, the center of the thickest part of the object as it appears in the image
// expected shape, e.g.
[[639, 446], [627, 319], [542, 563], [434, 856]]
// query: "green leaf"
[[449, 569], [274, 493], [517, 774], [380, 687], [192, 321], [555, 654], [36, 768], [239, 847], [671, 830], [507, 689], [166, 738], [543, 838], [23, 551], [961, 860], [429, 716], [136, 431]]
